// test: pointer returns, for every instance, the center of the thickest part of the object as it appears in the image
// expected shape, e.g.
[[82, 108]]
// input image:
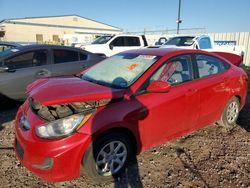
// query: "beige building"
[[52, 28]]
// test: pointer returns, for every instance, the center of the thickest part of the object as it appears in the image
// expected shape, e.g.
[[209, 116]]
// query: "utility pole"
[[178, 21]]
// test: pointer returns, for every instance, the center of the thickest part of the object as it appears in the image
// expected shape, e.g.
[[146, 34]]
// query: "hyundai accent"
[[95, 122]]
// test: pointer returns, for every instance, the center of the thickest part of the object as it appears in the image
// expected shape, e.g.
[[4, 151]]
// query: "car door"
[[69, 62], [123, 43], [23, 69], [204, 42], [212, 85], [174, 113]]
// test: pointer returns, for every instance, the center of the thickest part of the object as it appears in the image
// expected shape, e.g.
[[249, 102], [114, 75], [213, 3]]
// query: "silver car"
[[22, 65]]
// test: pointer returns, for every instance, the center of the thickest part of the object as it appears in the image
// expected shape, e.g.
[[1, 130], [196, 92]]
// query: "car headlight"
[[62, 127]]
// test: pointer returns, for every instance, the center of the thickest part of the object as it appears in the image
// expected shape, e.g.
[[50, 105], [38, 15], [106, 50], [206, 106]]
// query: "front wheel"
[[107, 156], [230, 113]]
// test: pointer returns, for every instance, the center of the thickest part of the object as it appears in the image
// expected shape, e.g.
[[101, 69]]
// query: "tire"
[[230, 113], [97, 166]]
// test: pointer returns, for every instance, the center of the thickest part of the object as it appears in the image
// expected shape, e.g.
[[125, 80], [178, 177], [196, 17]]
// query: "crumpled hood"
[[61, 90]]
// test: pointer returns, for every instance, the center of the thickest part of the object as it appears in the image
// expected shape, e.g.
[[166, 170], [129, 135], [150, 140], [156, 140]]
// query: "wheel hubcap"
[[111, 158], [232, 112]]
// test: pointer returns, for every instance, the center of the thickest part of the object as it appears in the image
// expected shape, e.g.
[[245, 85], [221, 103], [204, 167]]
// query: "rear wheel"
[[107, 156], [230, 113]]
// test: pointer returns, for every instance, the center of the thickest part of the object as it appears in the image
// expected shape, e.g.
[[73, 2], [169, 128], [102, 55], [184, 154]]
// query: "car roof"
[[43, 46], [160, 51], [183, 36], [22, 49], [10, 43]]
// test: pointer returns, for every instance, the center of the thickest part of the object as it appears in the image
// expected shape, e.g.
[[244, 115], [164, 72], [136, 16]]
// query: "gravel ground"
[[210, 157]]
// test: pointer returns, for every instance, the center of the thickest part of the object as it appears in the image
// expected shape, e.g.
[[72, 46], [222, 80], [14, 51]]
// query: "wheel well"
[[122, 130]]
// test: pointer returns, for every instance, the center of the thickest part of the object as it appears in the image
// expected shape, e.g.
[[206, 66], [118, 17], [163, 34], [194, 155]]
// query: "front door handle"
[[43, 73]]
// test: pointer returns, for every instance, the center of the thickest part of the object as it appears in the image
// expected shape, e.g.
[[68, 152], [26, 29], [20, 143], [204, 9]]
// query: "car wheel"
[[230, 113], [107, 156]]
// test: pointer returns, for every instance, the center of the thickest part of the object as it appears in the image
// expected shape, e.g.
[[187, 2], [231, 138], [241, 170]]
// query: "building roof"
[[29, 21]]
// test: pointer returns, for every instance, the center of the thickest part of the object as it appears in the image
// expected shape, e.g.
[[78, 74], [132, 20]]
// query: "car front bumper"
[[52, 160]]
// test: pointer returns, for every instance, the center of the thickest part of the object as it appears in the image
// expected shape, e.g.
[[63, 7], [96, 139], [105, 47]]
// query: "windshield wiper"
[[95, 81]]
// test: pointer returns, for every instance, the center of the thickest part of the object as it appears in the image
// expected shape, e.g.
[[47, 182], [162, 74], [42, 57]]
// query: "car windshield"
[[119, 71], [180, 41], [102, 40], [8, 52]]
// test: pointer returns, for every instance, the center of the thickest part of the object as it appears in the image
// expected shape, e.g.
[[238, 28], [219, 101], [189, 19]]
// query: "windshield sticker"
[[131, 67], [146, 56], [14, 50]]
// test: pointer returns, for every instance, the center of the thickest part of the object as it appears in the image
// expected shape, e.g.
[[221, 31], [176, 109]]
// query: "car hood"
[[62, 90]]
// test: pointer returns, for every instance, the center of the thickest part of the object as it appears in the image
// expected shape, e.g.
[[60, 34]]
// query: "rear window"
[[126, 41], [208, 65], [63, 56], [133, 41]]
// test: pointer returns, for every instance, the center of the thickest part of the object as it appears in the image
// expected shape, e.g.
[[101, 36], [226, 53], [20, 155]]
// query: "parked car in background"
[[124, 105], [24, 64], [109, 45], [202, 42], [8, 45]]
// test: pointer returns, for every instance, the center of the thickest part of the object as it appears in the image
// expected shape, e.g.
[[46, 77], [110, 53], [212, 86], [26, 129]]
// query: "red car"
[[123, 106]]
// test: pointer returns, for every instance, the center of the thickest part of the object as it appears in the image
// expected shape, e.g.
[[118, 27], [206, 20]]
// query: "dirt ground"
[[211, 157]]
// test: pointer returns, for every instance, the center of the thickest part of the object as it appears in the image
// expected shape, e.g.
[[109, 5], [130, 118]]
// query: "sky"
[[137, 15]]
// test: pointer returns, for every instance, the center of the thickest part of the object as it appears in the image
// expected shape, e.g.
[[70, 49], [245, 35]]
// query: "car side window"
[[63, 56], [29, 59], [39, 58], [119, 41], [208, 65], [177, 70], [132, 41]]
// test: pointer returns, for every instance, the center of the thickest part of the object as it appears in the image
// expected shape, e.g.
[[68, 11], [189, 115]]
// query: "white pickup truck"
[[203, 42], [109, 45]]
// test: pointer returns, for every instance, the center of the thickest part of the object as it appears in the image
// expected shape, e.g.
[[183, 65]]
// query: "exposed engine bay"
[[54, 112]]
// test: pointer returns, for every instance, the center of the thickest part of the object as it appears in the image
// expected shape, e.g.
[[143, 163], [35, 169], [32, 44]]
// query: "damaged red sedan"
[[95, 122]]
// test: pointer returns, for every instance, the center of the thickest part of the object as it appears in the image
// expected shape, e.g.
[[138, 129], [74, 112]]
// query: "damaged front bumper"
[[52, 160]]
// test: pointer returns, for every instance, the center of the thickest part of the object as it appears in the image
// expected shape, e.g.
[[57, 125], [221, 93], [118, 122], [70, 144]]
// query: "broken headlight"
[[62, 127]]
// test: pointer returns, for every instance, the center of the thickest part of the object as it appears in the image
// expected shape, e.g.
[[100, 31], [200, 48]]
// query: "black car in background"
[[24, 64]]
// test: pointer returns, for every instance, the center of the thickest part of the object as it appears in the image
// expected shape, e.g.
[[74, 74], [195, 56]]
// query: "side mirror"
[[111, 46], [159, 87], [4, 69]]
